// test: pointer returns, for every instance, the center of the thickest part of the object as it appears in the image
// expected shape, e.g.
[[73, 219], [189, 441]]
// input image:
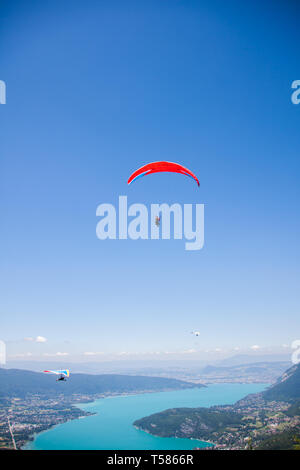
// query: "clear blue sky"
[[95, 89]]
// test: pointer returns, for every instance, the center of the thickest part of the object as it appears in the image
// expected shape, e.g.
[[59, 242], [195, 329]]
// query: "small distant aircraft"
[[195, 333], [63, 374]]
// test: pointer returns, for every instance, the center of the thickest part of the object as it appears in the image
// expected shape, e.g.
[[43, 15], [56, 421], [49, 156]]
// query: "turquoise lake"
[[111, 428]]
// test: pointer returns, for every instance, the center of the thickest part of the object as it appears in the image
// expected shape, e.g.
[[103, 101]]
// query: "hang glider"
[[63, 374]]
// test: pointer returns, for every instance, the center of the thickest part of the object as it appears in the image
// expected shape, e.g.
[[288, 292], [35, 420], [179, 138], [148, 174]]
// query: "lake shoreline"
[[117, 419], [81, 405], [211, 444]]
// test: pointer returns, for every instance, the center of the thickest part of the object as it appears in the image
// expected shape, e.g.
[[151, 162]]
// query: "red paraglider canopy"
[[157, 167]]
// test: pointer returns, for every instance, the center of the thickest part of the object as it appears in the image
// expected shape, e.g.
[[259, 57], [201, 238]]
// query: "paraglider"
[[63, 374], [158, 167]]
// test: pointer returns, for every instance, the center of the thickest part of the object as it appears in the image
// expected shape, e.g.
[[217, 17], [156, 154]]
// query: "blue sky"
[[94, 91]]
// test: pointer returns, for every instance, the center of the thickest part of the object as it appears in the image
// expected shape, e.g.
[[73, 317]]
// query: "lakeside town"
[[21, 418], [260, 420]]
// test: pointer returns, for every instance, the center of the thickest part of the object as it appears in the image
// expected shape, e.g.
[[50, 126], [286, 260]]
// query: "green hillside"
[[287, 388], [286, 440], [189, 422]]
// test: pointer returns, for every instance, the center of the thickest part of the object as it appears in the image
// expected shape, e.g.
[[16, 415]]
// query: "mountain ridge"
[[19, 383]]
